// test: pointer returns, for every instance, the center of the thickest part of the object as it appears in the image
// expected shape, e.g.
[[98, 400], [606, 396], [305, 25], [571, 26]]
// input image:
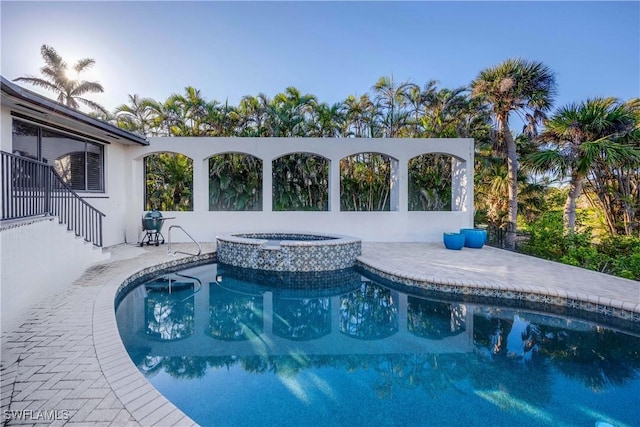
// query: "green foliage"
[[301, 183], [624, 255], [430, 183], [616, 255], [365, 182], [169, 182], [235, 182]]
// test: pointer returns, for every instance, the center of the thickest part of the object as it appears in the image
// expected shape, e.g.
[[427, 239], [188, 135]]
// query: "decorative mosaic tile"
[[288, 252]]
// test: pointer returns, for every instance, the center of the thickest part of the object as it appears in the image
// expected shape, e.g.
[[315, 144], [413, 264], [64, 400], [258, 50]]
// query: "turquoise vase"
[[454, 241], [474, 237]]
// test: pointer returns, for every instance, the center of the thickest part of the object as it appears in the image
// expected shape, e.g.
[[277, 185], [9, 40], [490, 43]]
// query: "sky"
[[331, 49]]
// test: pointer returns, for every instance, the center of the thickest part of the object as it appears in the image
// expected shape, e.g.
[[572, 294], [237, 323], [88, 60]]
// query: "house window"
[[78, 162]]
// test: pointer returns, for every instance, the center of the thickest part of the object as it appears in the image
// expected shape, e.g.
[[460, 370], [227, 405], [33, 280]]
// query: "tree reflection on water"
[[517, 353], [234, 316], [169, 316], [369, 313], [301, 319]]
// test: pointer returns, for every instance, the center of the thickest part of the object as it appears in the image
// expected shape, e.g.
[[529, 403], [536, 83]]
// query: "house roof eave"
[[57, 109]]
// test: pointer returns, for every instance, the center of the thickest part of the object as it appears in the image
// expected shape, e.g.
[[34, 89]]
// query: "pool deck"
[[67, 361]]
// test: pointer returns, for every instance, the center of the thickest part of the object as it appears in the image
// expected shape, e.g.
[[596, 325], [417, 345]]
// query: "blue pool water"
[[233, 348]]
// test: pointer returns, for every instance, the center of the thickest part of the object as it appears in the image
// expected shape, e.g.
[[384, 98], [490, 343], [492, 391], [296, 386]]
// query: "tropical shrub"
[[616, 255], [365, 182], [624, 255], [169, 182], [430, 183], [235, 182], [301, 183]]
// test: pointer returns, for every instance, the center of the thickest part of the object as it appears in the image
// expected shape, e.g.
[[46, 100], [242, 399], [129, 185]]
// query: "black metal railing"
[[497, 237], [31, 188]]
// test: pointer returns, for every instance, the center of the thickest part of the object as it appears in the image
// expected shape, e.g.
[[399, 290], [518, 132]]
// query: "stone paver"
[[499, 269], [66, 365]]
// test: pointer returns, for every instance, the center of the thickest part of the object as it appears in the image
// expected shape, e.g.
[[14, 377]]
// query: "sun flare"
[[71, 74]]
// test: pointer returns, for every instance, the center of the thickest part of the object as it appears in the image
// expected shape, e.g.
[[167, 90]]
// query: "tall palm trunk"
[[512, 168], [575, 189]]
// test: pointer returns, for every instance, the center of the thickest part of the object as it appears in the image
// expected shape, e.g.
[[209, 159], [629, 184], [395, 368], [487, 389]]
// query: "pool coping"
[[143, 401], [587, 303]]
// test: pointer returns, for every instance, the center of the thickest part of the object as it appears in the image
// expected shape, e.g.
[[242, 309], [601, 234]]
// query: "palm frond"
[[547, 161], [84, 86], [93, 105], [36, 81], [84, 64]]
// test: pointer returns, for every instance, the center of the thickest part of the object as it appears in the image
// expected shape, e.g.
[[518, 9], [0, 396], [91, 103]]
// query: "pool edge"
[[138, 396]]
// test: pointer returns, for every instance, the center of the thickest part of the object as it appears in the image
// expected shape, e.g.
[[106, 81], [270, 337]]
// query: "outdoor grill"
[[152, 222]]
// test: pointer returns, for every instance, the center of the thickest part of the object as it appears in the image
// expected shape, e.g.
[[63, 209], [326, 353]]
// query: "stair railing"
[[31, 188]]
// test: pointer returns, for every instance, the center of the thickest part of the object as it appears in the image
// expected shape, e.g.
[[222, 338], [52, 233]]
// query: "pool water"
[[232, 349]]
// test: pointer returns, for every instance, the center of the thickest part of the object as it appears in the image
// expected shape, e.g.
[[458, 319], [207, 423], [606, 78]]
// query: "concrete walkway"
[[66, 365]]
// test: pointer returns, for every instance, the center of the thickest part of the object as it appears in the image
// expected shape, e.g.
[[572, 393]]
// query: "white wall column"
[[334, 185], [135, 203], [200, 185], [267, 185], [395, 190]]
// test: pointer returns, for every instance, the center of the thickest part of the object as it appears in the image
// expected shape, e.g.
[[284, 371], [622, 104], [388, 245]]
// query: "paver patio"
[[66, 360]]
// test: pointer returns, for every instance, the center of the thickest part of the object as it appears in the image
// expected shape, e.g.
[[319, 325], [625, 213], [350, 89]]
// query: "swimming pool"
[[230, 348]]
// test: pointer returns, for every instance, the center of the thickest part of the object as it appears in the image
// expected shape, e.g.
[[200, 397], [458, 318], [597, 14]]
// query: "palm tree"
[[581, 138], [289, 112], [361, 117], [392, 99], [327, 121], [137, 116], [446, 113], [56, 78], [189, 112], [253, 114], [515, 86], [417, 101]]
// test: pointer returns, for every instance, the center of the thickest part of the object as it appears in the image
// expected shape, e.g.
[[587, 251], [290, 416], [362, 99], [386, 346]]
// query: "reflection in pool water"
[[353, 352]]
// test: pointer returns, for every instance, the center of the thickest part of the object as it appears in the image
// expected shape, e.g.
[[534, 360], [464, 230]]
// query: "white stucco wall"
[[115, 201], [396, 225], [38, 259], [6, 128]]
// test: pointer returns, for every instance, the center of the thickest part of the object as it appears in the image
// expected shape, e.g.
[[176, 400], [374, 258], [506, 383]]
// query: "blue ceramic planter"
[[474, 237], [453, 241]]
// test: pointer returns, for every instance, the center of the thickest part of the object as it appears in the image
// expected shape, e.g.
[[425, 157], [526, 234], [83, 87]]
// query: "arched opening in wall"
[[430, 182], [301, 182], [365, 182], [168, 182], [235, 182]]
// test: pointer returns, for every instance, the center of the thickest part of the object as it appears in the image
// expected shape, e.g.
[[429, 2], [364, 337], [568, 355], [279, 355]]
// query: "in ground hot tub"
[[288, 251]]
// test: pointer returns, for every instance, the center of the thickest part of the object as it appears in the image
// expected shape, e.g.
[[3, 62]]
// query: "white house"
[[38, 254]]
